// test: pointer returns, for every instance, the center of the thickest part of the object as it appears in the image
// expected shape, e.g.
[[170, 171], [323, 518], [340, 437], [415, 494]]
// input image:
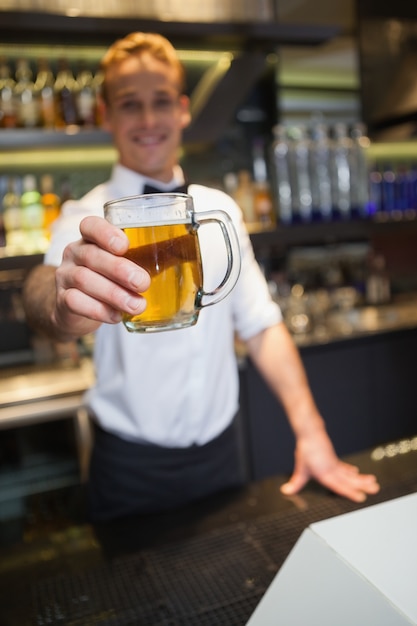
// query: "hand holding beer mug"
[[162, 231]]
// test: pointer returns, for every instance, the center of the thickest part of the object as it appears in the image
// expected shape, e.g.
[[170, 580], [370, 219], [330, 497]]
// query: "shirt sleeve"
[[253, 307]]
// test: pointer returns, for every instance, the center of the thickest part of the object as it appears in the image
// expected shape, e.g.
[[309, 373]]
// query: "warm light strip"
[[393, 150], [92, 53], [58, 158]]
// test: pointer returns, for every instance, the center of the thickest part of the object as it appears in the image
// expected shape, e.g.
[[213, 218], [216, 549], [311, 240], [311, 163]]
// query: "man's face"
[[146, 115]]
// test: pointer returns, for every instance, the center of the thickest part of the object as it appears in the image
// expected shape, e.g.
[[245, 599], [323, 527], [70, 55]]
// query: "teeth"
[[148, 140]]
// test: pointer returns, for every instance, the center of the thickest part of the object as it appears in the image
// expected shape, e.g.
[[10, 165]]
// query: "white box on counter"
[[356, 569]]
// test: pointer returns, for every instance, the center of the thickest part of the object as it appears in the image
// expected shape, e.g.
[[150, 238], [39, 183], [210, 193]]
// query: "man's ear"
[[185, 111]]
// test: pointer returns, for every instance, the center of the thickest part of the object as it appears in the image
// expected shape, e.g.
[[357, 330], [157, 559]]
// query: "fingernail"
[[117, 244], [137, 280], [116, 317], [133, 304]]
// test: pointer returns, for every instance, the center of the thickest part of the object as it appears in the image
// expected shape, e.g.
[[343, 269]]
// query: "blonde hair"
[[138, 43]]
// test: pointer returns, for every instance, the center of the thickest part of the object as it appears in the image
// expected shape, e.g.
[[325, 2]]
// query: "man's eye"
[[130, 105], [164, 103]]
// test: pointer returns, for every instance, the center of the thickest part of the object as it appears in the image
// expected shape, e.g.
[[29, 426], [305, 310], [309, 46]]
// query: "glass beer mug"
[[162, 231]]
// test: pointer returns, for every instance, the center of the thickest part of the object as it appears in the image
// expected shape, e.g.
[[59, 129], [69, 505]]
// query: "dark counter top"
[[208, 564], [38, 392], [343, 324]]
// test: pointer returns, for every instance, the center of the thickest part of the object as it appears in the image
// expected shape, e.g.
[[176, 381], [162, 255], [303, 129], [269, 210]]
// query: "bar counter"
[[39, 392], [208, 564], [362, 374]]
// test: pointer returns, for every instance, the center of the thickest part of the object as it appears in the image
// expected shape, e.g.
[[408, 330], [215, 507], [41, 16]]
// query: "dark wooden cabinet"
[[394, 367], [364, 387]]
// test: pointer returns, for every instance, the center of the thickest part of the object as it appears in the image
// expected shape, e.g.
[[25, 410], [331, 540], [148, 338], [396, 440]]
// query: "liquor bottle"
[[262, 199], [359, 171], [341, 181], [321, 189], [230, 184], [44, 87], [389, 189], [401, 190], [3, 191], [32, 215], [85, 96], [281, 175], [375, 204], [65, 190], [2, 230], [300, 174], [27, 103], [7, 103], [244, 197], [12, 217], [378, 287], [98, 103], [51, 203], [65, 88]]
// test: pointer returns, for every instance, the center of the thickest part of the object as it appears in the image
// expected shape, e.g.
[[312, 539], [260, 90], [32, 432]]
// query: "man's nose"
[[148, 115]]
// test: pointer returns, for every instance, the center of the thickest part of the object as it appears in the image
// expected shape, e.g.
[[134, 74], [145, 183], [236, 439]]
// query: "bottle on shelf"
[[65, 191], [32, 215], [378, 287], [281, 175], [26, 97], [98, 105], [51, 203], [7, 103], [300, 174], [341, 181], [3, 191], [262, 199], [401, 189], [388, 189], [230, 184], [2, 230], [44, 87], [12, 217], [244, 197], [85, 96], [66, 88], [321, 189], [359, 171]]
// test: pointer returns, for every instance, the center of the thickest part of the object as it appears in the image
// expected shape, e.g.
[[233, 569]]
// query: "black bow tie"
[[180, 189]]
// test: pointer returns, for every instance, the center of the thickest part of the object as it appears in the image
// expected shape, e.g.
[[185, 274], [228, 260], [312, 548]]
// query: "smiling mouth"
[[149, 141]]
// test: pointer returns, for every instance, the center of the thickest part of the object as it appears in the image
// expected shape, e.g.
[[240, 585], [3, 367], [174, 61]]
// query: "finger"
[[296, 483], [98, 230], [85, 257], [351, 486], [95, 295], [351, 468], [91, 308], [369, 483]]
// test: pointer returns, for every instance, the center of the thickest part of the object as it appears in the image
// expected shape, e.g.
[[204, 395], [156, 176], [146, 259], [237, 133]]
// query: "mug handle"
[[233, 255]]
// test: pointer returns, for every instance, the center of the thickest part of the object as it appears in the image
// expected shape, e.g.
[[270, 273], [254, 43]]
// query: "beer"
[[162, 233], [171, 255]]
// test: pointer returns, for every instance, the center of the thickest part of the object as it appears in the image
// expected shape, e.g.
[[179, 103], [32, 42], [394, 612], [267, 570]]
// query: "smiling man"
[[165, 406], [146, 108]]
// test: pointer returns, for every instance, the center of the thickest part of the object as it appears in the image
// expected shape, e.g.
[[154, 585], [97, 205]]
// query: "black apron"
[[129, 478]]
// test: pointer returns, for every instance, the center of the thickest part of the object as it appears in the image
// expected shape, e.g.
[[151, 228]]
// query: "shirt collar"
[[132, 183]]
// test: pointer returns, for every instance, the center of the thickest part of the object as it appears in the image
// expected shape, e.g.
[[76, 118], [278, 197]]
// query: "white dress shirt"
[[180, 387]]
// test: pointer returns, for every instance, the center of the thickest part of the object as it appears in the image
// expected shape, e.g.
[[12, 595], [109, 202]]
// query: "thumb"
[[297, 481]]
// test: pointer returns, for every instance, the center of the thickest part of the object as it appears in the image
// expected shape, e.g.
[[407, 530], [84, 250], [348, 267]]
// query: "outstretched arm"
[[277, 358], [91, 286]]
